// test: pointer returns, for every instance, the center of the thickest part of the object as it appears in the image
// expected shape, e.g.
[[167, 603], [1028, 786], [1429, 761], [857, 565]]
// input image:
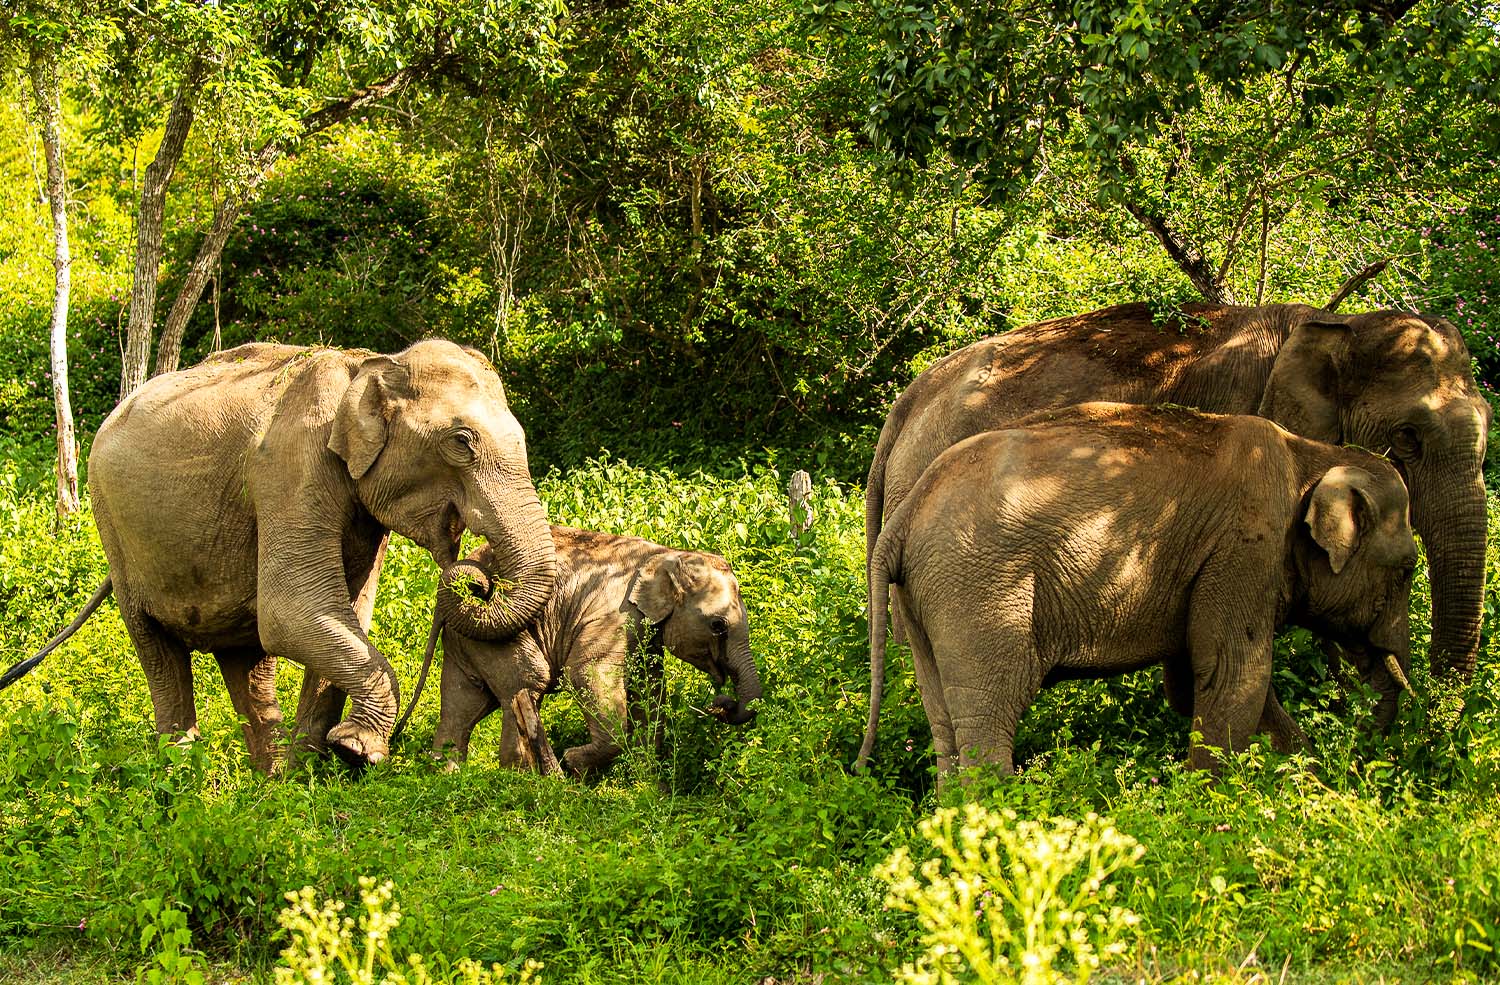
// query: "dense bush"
[[742, 852]]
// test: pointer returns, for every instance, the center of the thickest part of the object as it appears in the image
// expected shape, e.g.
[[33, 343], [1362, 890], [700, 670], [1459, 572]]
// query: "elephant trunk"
[[505, 585], [746, 681], [1452, 525]]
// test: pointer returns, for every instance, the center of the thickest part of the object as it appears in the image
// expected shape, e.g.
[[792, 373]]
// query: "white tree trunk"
[[47, 92]]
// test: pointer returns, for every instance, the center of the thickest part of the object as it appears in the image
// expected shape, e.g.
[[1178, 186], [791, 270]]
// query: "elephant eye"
[[719, 626], [1406, 443], [463, 441]]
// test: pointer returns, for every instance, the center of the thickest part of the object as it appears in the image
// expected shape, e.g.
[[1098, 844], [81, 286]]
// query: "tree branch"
[[169, 351], [1353, 284]]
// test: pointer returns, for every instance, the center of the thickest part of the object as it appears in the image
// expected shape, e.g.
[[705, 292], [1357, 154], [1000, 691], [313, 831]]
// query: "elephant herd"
[[1074, 498]]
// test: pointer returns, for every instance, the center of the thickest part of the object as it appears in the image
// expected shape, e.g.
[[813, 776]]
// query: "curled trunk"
[[746, 680], [494, 595]]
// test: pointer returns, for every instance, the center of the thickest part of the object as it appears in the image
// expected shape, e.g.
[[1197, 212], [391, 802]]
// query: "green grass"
[[742, 853]]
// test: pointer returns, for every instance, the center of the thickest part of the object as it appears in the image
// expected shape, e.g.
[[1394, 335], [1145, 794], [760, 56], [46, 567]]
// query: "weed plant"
[[738, 854]]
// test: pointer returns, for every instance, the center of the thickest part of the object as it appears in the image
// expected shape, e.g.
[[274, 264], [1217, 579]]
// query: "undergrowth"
[[740, 854]]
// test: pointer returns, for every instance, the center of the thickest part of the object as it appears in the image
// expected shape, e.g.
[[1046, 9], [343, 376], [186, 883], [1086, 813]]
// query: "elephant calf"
[[1104, 538], [614, 596]]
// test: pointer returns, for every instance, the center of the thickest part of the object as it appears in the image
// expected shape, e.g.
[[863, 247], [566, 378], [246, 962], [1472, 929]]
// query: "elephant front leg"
[[599, 687], [1286, 735], [311, 619], [321, 705], [465, 702], [1229, 645], [250, 676]]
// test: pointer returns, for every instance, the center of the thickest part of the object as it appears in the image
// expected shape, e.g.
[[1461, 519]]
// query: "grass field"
[[741, 855]]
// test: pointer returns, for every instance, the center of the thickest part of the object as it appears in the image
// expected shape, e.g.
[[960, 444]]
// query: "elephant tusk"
[[1394, 666]]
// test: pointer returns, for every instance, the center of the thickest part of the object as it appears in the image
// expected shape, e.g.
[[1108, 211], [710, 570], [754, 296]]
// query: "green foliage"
[[1009, 900], [742, 852], [323, 945]]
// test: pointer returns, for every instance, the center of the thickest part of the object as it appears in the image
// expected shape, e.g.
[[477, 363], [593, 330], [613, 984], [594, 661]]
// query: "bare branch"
[[1353, 284]]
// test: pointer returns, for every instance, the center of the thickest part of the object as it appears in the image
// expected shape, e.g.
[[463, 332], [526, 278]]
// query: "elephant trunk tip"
[[731, 711]]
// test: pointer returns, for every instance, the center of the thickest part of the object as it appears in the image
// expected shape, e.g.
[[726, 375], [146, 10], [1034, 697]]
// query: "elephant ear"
[[658, 587], [1340, 511], [1302, 394], [361, 423]]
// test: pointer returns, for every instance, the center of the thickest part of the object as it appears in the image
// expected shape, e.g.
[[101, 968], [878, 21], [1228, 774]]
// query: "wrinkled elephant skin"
[[244, 505], [1389, 381], [615, 596], [1104, 538]]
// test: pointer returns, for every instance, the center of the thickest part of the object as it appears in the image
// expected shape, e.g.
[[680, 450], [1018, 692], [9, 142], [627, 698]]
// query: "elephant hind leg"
[[986, 712], [250, 675], [984, 648], [930, 688], [168, 666]]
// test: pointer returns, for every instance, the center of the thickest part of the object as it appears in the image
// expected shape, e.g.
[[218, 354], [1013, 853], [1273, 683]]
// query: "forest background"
[[714, 241]]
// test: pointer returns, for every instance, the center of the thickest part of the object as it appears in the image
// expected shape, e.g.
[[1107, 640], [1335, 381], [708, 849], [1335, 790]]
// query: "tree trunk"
[[169, 351], [149, 221], [47, 92]]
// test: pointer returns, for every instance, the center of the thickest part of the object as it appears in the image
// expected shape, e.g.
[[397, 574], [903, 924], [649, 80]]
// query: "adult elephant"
[[244, 505], [1389, 381]]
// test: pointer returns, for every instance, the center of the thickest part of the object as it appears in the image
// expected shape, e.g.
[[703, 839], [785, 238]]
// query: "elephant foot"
[[357, 745]]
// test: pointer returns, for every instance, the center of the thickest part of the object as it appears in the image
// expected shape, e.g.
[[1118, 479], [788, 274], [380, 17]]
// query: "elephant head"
[[1355, 564], [1401, 384], [432, 450], [694, 599]]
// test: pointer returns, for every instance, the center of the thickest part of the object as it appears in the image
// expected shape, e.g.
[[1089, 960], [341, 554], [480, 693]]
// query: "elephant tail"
[[884, 559], [416, 692], [875, 480], [23, 668]]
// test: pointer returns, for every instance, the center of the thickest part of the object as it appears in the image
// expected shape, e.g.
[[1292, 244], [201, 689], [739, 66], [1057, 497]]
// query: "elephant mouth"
[[450, 536]]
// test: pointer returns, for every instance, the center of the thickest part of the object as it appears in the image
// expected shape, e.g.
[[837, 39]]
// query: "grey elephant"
[[615, 596], [1105, 538], [1389, 381], [244, 505]]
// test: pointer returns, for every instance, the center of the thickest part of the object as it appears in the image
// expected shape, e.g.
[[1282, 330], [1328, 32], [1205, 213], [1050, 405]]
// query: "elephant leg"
[[986, 713], [599, 687], [989, 667], [1229, 644], [525, 707], [465, 703], [319, 708], [1286, 735], [900, 617], [250, 675], [930, 687], [321, 705], [168, 666]]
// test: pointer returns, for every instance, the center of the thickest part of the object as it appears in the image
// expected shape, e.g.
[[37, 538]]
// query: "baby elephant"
[[614, 596], [1104, 538]]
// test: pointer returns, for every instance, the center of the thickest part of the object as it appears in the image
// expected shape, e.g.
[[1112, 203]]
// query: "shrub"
[[1007, 900]]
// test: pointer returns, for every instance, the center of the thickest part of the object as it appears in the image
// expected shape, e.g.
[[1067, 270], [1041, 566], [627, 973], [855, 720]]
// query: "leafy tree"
[[44, 35], [1207, 123]]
